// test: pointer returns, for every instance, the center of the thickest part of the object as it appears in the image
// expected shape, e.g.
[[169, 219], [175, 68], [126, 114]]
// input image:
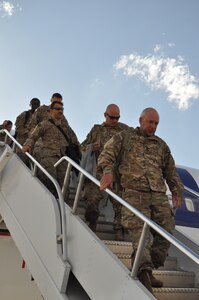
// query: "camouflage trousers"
[[92, 195], [155, 206], [58, 173]]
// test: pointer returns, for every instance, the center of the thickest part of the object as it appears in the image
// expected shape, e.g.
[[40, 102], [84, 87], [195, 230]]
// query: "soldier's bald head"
[[149, 110], [149, 120], [112, 114], [112, 107]]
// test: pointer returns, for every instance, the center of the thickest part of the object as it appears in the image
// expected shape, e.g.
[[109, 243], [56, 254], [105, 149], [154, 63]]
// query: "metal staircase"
[[68, 260], [178, 284]]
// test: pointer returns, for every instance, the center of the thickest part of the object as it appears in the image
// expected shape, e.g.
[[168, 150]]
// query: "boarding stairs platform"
[[66, 259], [178, 284]]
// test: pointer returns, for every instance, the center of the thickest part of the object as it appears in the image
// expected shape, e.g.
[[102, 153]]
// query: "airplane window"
[[189, 204]]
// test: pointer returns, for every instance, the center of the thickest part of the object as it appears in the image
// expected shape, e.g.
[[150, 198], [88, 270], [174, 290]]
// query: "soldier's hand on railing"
[[106, 181], [25, 148], [176, 201]]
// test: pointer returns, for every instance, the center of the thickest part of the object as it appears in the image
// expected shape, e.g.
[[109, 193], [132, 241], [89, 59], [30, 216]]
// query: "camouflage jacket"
[[21, 124], [145, 163], [53, 141], [3, 135], [42, 113], [101, 134]]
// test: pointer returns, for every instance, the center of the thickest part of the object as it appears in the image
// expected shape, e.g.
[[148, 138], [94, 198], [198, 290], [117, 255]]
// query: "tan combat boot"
[[155, 282], [145, 279]]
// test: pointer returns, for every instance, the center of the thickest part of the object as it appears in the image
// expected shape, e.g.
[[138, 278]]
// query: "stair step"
[[170, 263], [101, 219], [176, 293], [119, 247], [124, 249], [106, 235], [176, 279], [105, 226]]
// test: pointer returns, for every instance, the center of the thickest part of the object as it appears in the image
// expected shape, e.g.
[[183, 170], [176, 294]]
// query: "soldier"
[[21, 124], [7, 124], [41, 114], [145, 163], [53, 144], [96, 138]]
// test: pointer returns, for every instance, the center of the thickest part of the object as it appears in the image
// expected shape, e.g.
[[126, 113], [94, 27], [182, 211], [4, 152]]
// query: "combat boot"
[[145, 279], [119, 235], [154, 281], [93, 226]]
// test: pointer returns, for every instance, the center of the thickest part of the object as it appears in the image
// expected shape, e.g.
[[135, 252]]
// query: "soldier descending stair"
[[97, 138], [145, 163], [22, 122]]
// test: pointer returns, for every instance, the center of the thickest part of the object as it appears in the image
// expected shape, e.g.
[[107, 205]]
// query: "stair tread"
[[128, 255], [119, 243], [176, 289], [174, 272]]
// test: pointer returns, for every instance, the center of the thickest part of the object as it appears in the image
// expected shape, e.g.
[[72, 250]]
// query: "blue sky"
[[135, 53]]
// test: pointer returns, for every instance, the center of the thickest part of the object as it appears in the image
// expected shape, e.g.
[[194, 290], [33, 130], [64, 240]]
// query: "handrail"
[[147, 222], [194, 193], [58, 189]]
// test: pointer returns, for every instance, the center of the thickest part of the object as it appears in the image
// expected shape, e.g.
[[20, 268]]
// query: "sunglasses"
[[112, 117], [58, 108]]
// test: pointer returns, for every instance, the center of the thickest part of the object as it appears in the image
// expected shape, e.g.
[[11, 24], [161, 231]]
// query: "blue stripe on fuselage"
[[187, 179]]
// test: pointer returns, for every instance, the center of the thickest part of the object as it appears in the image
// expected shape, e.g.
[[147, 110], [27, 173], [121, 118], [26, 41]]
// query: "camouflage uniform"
[[3, 135], [21, 124], [144, 165], [43, 113], [52, 147], [100, 134]]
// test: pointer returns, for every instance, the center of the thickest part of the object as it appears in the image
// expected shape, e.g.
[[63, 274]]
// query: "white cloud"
[[171, 75], [7, 7], [171, 45], [157, 48]]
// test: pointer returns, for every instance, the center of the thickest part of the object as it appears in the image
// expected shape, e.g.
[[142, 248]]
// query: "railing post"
[[66, 179], [14, 147], [6, 139], [34, 172], [139, 253], [78, 193]]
